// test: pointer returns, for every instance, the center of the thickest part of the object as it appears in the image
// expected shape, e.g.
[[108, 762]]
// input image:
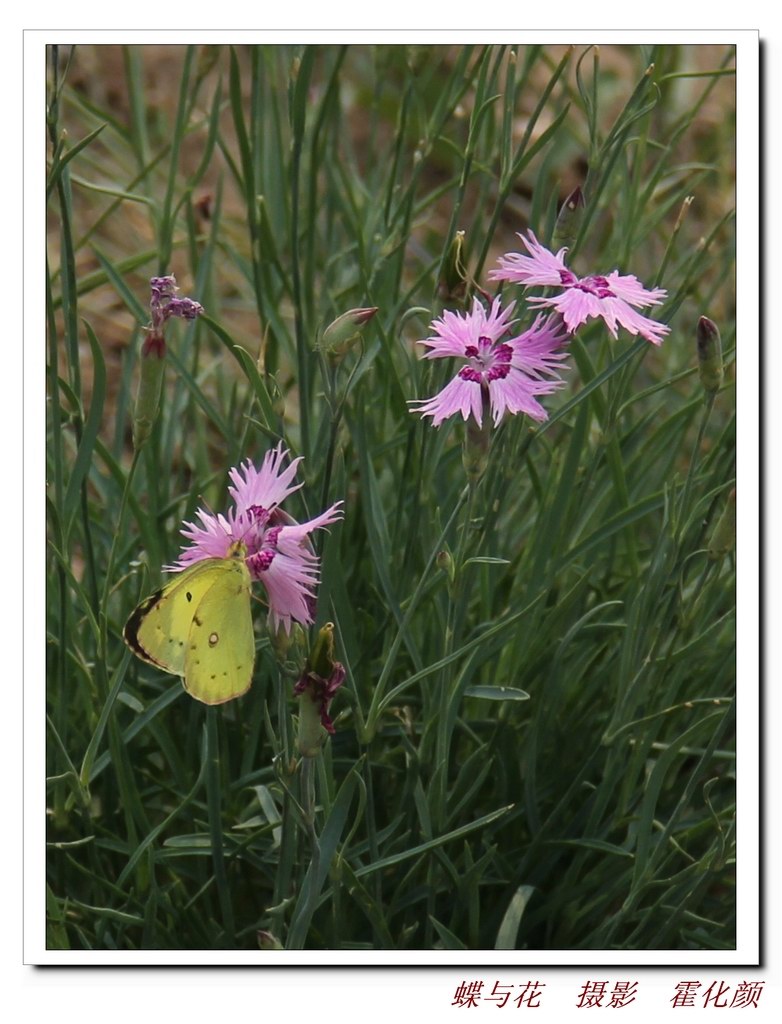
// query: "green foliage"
[[534, 744]]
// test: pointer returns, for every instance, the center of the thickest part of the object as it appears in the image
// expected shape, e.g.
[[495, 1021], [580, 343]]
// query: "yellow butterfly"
[[199, 626]]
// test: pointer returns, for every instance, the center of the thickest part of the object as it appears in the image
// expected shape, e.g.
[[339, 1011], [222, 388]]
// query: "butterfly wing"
[[158, 630], [220, 651]]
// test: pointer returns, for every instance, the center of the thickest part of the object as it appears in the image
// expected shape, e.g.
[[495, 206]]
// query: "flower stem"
[[307, 800], [215, 825], [687, 489], [377, 706], [456, 611]]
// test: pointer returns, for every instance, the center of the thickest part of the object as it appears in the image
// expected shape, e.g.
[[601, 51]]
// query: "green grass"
[[590, 803]]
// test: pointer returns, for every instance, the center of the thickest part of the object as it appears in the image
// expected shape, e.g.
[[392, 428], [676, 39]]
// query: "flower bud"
[[571, 214], [342, 333], [417, 56], [268, 940], [709, 355], [444, 561], [723, 538], [320, 680], [452, 284], [288, 647]]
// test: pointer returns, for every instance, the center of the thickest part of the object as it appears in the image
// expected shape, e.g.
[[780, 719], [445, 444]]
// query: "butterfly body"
[[199, 626]]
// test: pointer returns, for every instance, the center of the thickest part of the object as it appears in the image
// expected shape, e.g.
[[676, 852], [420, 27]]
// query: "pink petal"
[[455, 331], [541, 267], [634, 322], [462, 396], [290, 583], [516, 393], [296, 532], [536, 350], [267, 486], [211, 539], [575, 306], [630, 289]]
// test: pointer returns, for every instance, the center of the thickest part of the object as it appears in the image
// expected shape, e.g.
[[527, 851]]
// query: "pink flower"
[[279, 551], [505, 373], [612, 297]]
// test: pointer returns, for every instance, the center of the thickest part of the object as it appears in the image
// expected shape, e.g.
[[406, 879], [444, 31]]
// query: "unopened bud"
[[288, 647], [571, 214], [342, 333], [417, 56], [444, 562], [723, 538], [709, 355], [267, 940], [452, 284]]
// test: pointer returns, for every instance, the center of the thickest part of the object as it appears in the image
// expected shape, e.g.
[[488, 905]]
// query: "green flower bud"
[[288, 647], [571, 214], [267, 940], [417, 56], [444, 561], [342, 333], [709, 355], [452, 284]]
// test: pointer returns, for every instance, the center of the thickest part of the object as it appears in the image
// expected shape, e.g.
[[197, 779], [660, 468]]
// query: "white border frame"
[[748, 511]]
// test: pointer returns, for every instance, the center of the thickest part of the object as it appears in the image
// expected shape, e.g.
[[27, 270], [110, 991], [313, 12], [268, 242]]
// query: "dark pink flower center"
[[263, 543], [594, 285], [259, 515], [487, 361]]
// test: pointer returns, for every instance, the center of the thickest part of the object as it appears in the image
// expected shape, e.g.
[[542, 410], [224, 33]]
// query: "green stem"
[[308, 803], [215, 824], [685, 497], [376, 707], [456, 610]]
